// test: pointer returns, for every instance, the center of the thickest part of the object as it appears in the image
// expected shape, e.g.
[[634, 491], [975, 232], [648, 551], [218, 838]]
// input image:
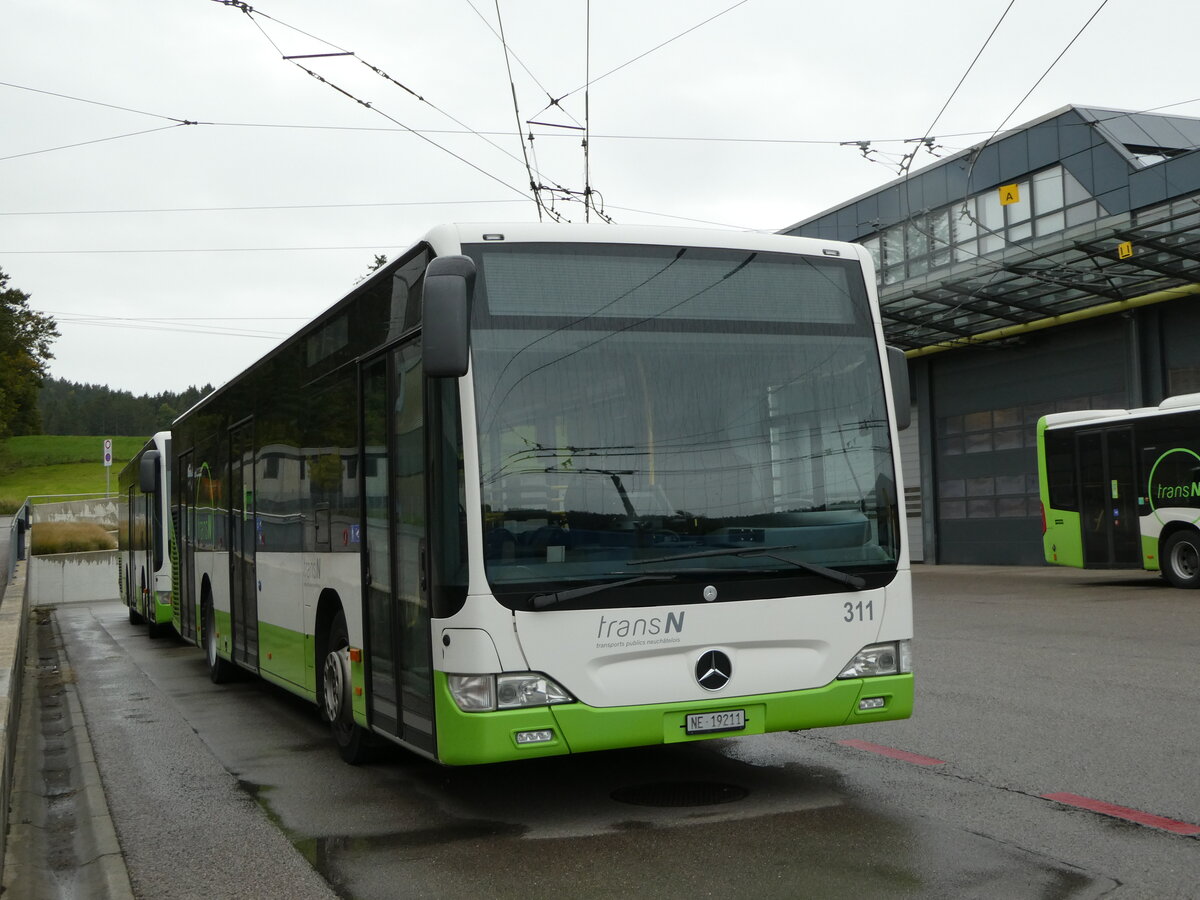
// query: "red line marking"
[[1124, 812], [914, 758]]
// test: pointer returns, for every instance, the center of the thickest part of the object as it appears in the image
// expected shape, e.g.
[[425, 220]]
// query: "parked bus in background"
[[144, 571], [1121, 488], [536, 490]]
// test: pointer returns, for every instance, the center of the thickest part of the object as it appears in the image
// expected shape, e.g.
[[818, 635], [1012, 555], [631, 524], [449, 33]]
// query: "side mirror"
[[446, 316], [901, 399], [148, 481]]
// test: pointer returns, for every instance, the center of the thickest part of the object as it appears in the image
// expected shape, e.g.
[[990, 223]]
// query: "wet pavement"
[[1030, 681]]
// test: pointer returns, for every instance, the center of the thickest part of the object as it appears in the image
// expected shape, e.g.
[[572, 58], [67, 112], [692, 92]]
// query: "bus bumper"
[[161, 612], [473, 738]]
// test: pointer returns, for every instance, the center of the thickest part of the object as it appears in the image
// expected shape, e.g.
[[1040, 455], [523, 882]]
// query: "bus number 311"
[[859, 612]]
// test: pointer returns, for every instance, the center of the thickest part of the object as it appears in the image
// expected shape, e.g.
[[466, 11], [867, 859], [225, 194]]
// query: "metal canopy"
[[1079, 269]]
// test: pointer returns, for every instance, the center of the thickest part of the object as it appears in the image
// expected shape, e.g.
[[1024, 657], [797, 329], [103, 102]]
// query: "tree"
[[25, 338], [68, 407], [378, 263]]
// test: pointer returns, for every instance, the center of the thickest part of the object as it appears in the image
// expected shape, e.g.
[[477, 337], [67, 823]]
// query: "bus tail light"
[[486, 693], [892, 658]]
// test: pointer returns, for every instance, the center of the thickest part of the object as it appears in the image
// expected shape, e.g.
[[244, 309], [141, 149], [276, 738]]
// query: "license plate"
[[709, 722]]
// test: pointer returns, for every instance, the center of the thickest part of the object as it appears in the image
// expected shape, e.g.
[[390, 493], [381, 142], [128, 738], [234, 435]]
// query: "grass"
[[59, 464], [69, 537], [36, 450]]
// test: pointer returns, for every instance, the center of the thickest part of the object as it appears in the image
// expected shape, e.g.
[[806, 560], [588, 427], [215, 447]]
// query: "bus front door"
[[1108, 499], [243, 540], [393, 492]]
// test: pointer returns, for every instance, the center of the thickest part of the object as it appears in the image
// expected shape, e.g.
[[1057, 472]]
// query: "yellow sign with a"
[[1125, 250], [1010, 194]]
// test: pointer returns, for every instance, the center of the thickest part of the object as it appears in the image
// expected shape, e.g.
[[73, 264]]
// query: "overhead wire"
[[103, 140], [521, 63], [907, 164], [251, 12], [587, 120], [533, 182], [1116, 114], [278, 207], [1042, 77], [140, 112], [136, 324], [975, 152], [656, 47]]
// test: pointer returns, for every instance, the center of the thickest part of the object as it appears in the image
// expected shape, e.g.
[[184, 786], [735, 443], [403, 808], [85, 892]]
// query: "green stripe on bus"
[[281, 653]]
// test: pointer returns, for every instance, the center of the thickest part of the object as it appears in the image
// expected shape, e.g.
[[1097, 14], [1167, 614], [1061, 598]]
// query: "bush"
[[69, 537]]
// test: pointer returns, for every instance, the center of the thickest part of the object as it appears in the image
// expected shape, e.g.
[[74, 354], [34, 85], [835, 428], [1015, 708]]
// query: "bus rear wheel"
[[353, 741], [1181, 559]]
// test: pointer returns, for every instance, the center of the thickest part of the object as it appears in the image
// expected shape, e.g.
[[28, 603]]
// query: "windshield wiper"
[[840, 577], [542, 601]]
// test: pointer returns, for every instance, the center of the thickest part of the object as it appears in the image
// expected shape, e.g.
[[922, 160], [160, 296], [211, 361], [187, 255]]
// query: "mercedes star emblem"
[[713, 670]]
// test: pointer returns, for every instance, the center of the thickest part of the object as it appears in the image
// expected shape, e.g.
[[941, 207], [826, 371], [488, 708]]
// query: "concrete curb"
[[61, 840], [103, 869], [14, 612]]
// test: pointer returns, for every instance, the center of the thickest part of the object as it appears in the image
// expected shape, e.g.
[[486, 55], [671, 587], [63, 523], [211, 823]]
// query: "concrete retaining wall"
[[70, 577], [102, 512]]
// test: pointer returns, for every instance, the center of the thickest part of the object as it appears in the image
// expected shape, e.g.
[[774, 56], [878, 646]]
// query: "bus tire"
[[134, 617], [1181, 559], [353, 741], [220, 671], [155, 630]]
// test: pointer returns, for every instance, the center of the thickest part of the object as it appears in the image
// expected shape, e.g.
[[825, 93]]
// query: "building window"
[[960, 232]]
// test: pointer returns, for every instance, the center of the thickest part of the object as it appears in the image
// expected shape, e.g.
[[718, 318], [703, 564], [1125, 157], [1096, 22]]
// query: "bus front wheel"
[[220, 670], [1181, 559], [353, 741]]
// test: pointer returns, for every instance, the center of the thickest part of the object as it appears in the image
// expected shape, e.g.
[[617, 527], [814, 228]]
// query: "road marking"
[[1124, 812], [1136, 816], [914, 758]]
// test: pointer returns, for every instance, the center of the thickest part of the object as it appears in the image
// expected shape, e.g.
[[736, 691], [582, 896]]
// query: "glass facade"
[[1050, 201], [1108, 210]]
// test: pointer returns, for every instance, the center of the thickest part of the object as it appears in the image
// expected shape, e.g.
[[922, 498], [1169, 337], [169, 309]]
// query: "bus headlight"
[[485, 693], [473, 693], [892, 658]]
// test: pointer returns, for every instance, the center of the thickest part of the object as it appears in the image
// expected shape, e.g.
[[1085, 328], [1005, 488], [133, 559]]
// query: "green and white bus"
[[1120, 488], [145, 577], [536, 490]]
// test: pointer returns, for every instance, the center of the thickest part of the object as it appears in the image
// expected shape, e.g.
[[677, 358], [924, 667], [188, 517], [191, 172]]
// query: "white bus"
[[536, 490], [145, 555], [1121, 488]]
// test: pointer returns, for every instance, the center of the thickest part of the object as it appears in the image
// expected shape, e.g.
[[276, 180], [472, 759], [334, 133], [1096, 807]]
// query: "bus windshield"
[[639, 403]]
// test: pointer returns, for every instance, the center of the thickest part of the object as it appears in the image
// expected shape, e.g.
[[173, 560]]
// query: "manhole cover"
[[680, 793]]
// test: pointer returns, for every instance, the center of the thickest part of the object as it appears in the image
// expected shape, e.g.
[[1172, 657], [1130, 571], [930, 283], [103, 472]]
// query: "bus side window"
[[1060, 471]]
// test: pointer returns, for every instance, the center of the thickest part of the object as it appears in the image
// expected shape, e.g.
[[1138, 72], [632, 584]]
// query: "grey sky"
[[243, 230]]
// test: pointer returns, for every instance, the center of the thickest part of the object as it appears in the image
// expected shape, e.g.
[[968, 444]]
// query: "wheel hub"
[[1186, 560], [337, 680]]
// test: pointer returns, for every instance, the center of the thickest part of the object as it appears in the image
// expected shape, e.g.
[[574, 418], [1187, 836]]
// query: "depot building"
[[1053, 267]]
